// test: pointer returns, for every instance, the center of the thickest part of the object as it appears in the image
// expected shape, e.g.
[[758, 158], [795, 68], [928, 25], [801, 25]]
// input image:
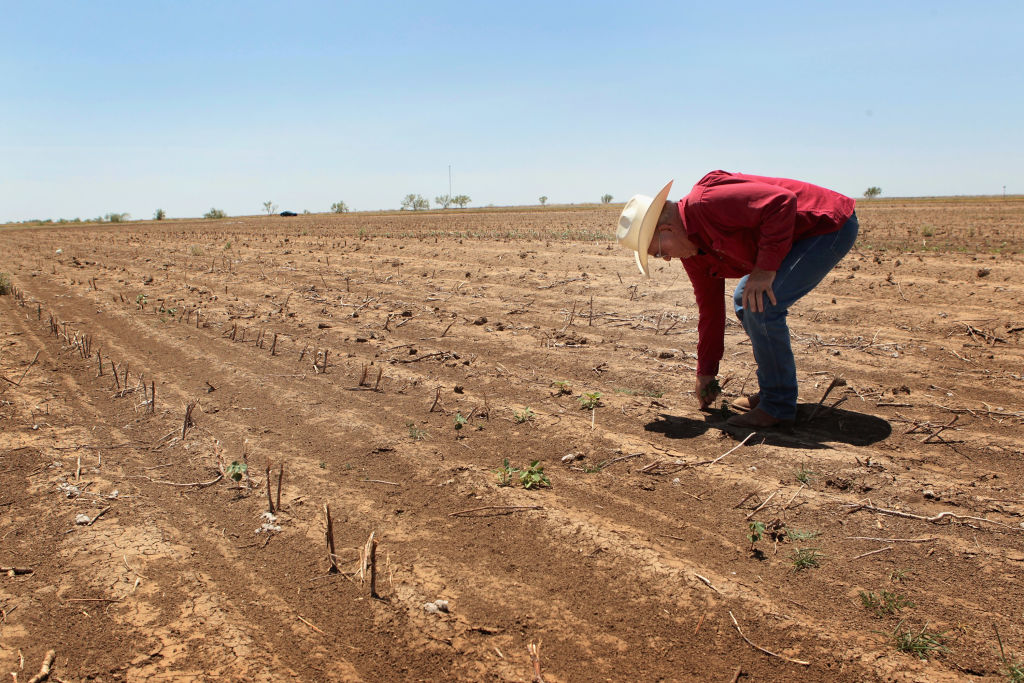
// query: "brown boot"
[[757, 419], [746, 403]]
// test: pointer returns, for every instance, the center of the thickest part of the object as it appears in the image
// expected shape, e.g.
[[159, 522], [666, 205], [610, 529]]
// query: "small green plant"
[[524, 415], [506, 473], [1014, 670], [589, 400], [215, 213], [5, 284], [141, 300], [795, 535], [899, 575], [922, 644], [236, 470], [227, 246], [755, 533], [806, 558], [710, 391], [927, 231], [884, 602], [562, 388], [533, 476], [804, 475], [339, 207], [415, 433], [460, 421], [323, 465]]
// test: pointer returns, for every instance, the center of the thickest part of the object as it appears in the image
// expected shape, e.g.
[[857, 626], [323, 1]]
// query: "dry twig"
[[758, 647], [44, 670], [933, 519], [509, 508]]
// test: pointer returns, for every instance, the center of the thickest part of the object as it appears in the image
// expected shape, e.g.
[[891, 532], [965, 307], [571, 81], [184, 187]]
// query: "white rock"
[[82, 519]]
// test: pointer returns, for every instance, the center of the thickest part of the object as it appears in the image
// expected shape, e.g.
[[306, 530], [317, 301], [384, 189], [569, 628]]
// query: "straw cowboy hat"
[[637, 222]]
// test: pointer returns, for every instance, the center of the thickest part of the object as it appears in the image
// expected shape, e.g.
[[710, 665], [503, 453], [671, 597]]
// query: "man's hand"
[[759, 283], [707, 390]]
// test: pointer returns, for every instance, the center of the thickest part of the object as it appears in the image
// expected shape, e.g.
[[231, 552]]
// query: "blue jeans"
[[807, 263]]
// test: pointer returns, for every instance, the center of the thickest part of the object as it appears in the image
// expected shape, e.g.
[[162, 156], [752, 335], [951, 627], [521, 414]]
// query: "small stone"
[[928, 493], [569, 457], [442, 605], [430, 608], [82, 519]]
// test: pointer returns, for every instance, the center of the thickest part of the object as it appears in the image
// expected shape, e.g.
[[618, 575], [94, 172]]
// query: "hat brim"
[[647, 226]]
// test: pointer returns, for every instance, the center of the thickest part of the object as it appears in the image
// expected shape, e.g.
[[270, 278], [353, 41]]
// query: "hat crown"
[[637, 222], [632, 214]]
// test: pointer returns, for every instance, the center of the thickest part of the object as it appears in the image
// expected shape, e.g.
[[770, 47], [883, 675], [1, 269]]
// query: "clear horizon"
[[115, 107]]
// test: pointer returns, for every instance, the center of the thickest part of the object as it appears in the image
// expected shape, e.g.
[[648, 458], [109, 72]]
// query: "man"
[[780, 236]]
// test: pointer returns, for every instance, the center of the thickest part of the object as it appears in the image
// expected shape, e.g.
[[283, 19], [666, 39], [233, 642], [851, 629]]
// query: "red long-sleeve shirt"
[[739, 222]]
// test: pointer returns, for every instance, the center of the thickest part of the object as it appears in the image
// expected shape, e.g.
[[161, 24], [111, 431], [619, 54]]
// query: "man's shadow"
[[813, 428]]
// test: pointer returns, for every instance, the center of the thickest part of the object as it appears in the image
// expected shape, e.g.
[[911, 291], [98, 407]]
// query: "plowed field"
[[389, 365]]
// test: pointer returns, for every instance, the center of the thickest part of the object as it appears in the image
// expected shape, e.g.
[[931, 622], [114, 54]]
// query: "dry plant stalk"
[[836, 382], [188, 422], [534, 649], [280, 477], [329, 533], [373, 567], [44, 670], [270, 499]]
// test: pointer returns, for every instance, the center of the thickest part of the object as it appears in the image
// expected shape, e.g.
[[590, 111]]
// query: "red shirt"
[[739, 222]]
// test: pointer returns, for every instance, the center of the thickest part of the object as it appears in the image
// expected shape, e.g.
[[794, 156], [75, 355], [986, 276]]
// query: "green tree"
[[444, 200], [606, 199], [414, 202], [339, 207], [215, 213], [460, 200], [270, 207], [543, 199], [872, 192], [159, 215], [116, 217]]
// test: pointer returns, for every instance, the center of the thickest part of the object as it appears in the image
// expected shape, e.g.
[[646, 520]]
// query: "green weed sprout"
[[1013, 670], [755, 534], [589, 400], [922, 644], [506, 473], [236, 470], [804, 475], [524, 415], [460, 421], [806, 558], [885, 602], [562, 388], [415, 433], [710, 391], [534, 476]]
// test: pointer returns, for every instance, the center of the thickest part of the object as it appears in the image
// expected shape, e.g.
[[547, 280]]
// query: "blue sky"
[[134, 106]]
